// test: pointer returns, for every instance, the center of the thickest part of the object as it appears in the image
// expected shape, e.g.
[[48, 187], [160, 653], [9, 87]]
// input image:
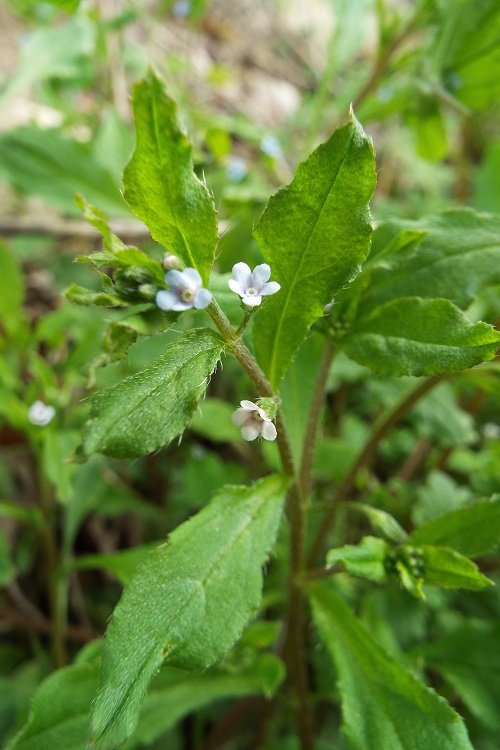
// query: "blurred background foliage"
[[259, 84]]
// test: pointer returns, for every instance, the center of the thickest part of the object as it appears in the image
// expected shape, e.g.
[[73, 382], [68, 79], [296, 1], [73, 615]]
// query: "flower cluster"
[[252, 285], [253, 421], [185, 291]]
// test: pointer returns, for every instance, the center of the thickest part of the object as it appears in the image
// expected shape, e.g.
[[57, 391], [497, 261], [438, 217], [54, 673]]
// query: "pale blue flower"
[[252, 285], [271, 146], [185, 291]]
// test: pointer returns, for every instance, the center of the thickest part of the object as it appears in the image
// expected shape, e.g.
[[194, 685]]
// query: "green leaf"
[[448, 569], [11, 289], [383, 705], [381, 521], [189, 602], [471, 531], [147, 410], [414, 336], [7, 568], [160, 185], [469, 663], [459, 256], [466, 53], [366, 559], [297, 391], [314, 233], [59, 716], [48, 164], [59, 52], [183, 692]]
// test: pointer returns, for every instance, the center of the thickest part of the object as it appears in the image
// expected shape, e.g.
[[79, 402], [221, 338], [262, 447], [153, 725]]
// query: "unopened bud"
[[172, 261]]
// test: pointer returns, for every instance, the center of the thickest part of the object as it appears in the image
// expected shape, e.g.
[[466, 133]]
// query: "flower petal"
[[261, 274], [270, 288], [268, 431], [250, 431], [193, 277], [251, 300], [202, 298], [240, 417], [175, 279], [249, 405], [242, 275], [166, 300], [235, 287]]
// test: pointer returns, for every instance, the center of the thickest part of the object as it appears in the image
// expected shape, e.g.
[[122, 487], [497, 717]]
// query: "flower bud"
[[172, 261]]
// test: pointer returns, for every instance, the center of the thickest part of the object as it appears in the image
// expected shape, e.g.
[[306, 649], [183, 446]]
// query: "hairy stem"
[[293, 650], [382, 426]]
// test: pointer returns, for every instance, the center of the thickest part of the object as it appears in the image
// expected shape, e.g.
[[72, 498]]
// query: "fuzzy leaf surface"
[[189, 602], [147, 410], [458, 255], [414, 336], [161, 187], [314, 233], [383, 705]]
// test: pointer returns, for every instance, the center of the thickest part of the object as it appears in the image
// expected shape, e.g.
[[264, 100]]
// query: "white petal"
[[252, 300], [166, 300], [193, 277], [175, 279], [263, 415], [235, 287], [261, 274], [249, 405], [240, 417], [179, 305], [268, 431], [270, 288], [242, 275], [250, 431], [202, 298]]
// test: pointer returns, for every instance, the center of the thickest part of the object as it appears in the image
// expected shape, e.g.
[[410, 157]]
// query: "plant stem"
[[314, 417], [293, 649], [382, 426], [56, 601], [384, 59]]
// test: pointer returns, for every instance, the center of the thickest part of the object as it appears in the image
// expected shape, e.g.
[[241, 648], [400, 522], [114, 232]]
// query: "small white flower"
[[253, 422], [40, 414], [252, 285], [185, 291]]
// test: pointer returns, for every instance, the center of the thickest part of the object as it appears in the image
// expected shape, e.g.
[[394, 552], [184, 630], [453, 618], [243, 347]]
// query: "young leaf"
[[366, 559], [160, 185], [315, 233], [471, 531], [188, 603], [383, 705], [147, 410], [414, 336], [80, 295], [449, 570], [468, 660]]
